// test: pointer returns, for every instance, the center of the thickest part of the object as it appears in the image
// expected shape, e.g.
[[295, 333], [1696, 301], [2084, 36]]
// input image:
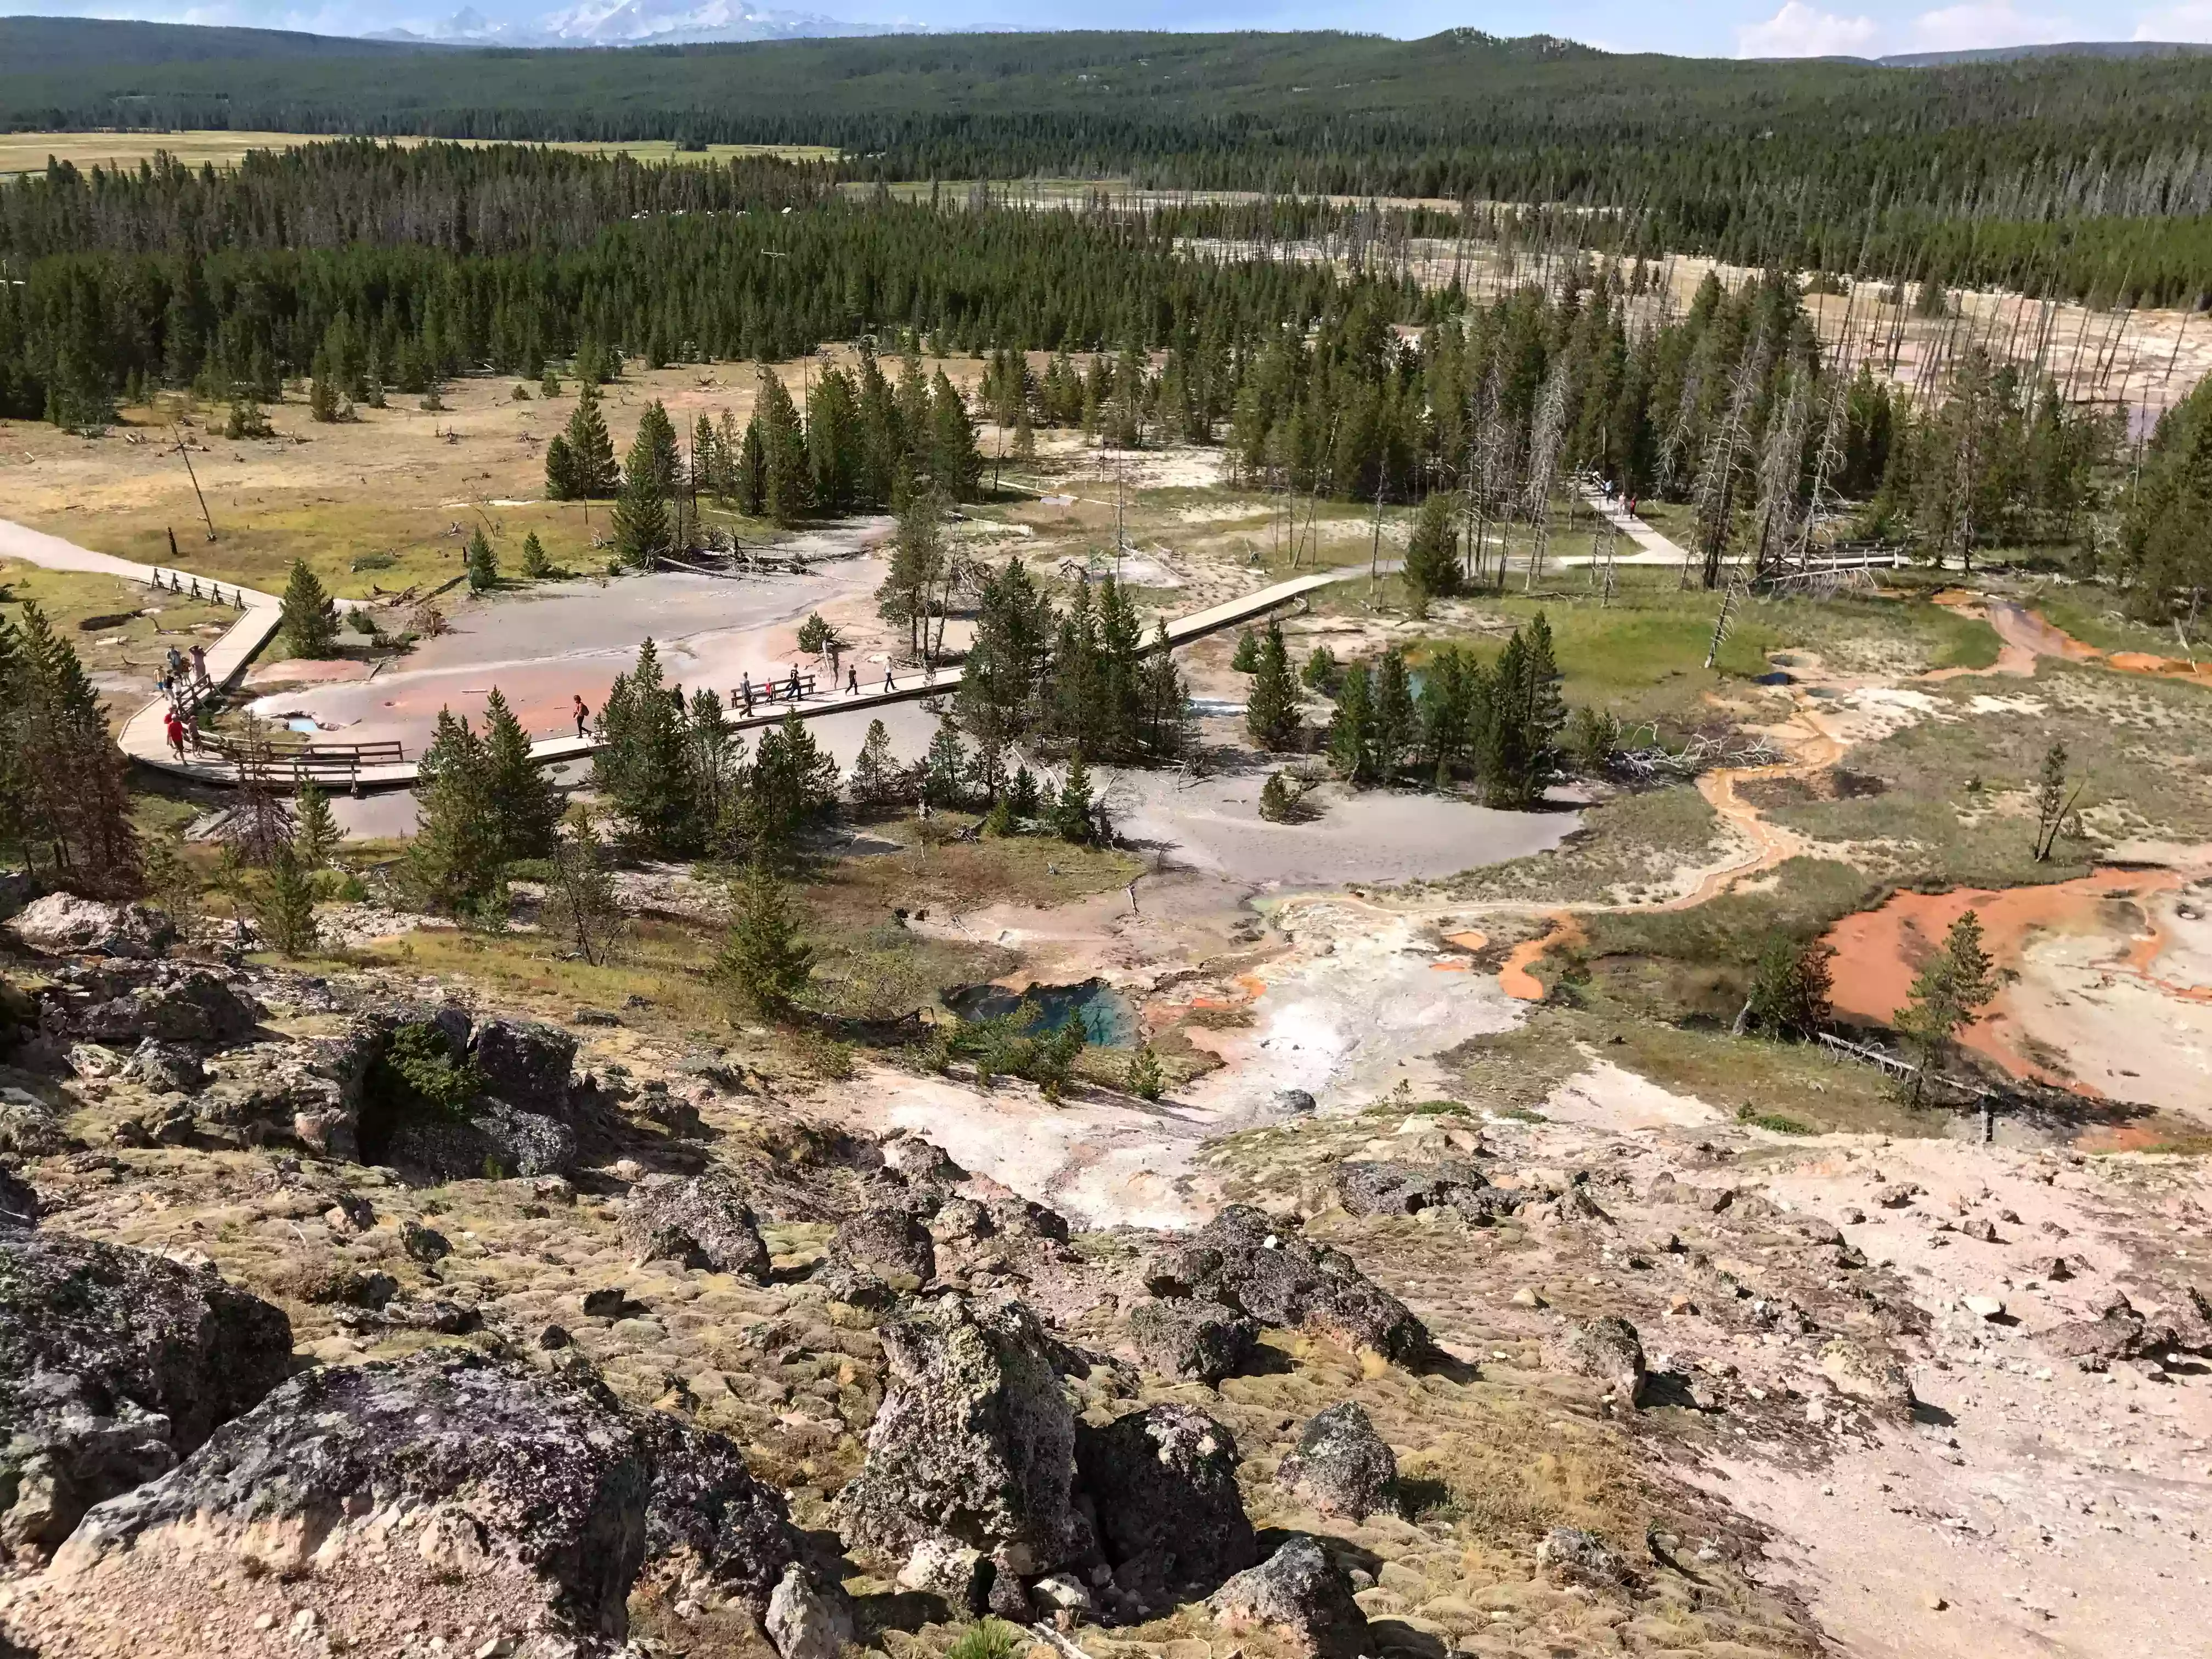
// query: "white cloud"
[[1988, 23], [1800, 31], [2188, 21]]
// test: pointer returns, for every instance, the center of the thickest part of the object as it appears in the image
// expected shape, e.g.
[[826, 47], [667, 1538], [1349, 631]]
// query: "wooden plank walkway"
[[142, 740]]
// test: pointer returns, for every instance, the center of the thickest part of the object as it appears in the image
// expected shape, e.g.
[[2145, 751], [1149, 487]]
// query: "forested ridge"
[[2066, 173]]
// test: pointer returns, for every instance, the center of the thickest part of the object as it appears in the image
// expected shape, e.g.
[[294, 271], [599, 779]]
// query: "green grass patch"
[[1628, 845], [1802, 898]]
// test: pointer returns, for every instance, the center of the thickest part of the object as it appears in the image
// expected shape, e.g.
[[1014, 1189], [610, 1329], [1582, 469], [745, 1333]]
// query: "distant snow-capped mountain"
[[636, 23]]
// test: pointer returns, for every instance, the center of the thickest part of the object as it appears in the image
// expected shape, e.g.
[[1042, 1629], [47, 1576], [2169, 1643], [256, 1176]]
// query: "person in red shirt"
[[174, 728]]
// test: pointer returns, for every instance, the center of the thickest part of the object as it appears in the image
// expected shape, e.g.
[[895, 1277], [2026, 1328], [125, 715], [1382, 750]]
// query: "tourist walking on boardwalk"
[[199, 665], [581, 714], [173, 728], [852, 682], [888, 685], [794, 691]]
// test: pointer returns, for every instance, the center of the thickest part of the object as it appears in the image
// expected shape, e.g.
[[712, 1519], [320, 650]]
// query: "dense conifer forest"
[[2073, 175]]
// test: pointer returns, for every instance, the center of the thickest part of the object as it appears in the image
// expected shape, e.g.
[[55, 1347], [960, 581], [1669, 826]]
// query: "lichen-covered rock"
[[922, 1162], [893, 1244], [1609, 1350], [455, 1486], [2119, 1332], [702, 1221], [1868, 1373], [29, 1127], [1265, 1269], [126, 1002], [1189, 1337], [19, 1205], [113, 1363], [1301, 1594], [1164, 1484], [975, 1442], [710, 1518], [1341, 1465], [166, 1067], [1583, 1558], [1397, 1188], [803, 1622], [62, 924], [494, 1141], [526, 1064]]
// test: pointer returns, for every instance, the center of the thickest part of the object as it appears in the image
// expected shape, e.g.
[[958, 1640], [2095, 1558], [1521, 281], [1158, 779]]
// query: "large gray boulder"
[[1301, 1595], [1392, 1187], [510, 1494], [1264, 1268], [1607, 1349], [1341, 1465], [890, 1242], [19, 1205], [62, 924], [702, 1221], [114, 1363], [489, 1141], [975, 1442], [525, 1063], [1189, 1337], [1164, 1484], [121, 1003]]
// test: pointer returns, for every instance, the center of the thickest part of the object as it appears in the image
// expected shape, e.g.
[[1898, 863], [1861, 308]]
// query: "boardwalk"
[[142, 737]]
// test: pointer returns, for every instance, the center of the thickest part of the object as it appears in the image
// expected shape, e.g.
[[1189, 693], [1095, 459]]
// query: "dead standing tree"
[[1545, 436], [1719, 473]]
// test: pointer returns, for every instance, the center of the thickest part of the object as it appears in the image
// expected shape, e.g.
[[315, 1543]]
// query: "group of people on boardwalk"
[[183, 678]]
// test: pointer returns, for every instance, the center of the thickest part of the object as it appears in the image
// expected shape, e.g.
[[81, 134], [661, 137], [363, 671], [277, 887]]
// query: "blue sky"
[[1706, 28]]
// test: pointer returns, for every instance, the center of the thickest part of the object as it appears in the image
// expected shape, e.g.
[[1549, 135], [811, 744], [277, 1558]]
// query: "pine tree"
[[562, 483], [1245, 658], [1001, 682], [875, 774], [283, 905], [1072, 816], [1351, 732], [763, 966], [1271, 712], [453, 864], [1789, 988], [581, 894], [310, 618], [1145, 1080], [791, 781], [593, 475], [1393, 715], [955, 465], [535, 564], [643, 766], [315, 833], [1947, 997], [523, 801], [645, 527], [907, 595], [784, 493], [944, 767], [64, 805], [1433, 552], [480, 562]]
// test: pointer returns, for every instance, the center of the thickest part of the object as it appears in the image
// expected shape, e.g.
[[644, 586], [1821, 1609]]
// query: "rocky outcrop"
[[1301, 1594], [448, 1481], [1164, 1484], [975, 1442], [123, 1003], [1185, 1336], [891, 1243], [804, 1622], [62, 924], [702, 1221], [113, 1363], [526, 1064], [710, 1519], [19, 1205], [1341, 1465], [1266, 1270], [1583, 1558], [165, 1067], [1397, 1188], [489, 1140], [29, 1127], [1609, 1350]]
